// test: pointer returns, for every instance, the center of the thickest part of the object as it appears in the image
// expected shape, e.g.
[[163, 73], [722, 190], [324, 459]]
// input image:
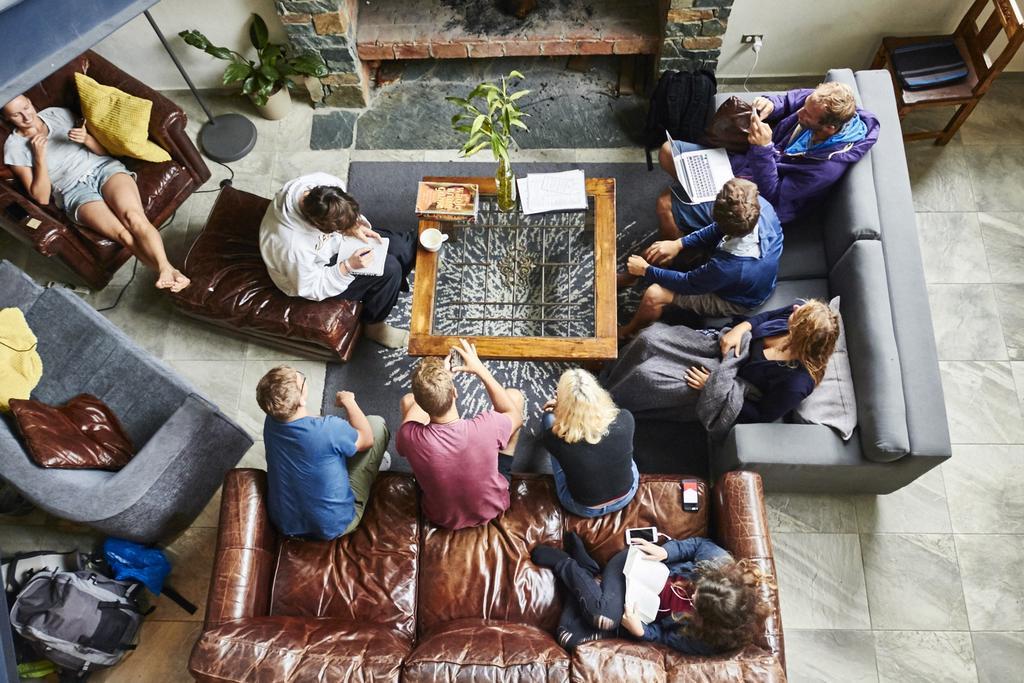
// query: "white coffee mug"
[[432, 239]]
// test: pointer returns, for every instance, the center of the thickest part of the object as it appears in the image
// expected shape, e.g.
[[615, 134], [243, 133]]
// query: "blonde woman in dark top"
[[591, 444]]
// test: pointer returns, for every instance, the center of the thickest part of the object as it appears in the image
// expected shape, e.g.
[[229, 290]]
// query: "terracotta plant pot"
[[277, 107]]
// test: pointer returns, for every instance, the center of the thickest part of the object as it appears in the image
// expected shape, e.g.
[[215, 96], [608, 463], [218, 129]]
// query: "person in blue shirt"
[[320, 469], [744, 243], [709, 604]]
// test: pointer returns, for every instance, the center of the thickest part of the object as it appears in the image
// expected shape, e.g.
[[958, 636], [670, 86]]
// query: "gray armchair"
[[185, 444]]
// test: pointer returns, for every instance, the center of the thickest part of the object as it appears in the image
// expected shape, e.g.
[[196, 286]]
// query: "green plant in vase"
[[489, 114]]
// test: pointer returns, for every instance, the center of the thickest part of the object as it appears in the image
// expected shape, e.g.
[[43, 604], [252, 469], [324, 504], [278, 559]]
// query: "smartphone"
[[454, 360], [16, 212], [645, 533], [691, 495]]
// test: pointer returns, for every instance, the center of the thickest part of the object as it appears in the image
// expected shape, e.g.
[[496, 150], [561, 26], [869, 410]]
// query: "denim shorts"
[[88, 188]]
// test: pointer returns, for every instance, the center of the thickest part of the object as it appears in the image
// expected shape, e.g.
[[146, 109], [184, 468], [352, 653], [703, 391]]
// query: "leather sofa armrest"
[[243, 565], [43, 238], [741, 527]]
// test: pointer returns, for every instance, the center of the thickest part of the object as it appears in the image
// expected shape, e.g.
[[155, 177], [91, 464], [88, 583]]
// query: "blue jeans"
[[562, 488], [689, 217]]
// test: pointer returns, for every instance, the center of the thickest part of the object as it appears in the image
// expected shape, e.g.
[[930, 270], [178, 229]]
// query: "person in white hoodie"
[[313, 237]]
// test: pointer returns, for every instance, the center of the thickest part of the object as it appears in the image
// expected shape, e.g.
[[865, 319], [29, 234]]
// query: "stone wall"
[[328, 27], [693, 33]]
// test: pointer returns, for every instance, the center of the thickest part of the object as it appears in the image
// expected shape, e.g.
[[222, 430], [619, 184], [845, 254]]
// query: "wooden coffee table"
[[538, 287]]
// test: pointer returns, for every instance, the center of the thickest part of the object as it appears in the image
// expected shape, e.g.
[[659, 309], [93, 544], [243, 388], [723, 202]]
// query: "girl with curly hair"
[[710, 603]]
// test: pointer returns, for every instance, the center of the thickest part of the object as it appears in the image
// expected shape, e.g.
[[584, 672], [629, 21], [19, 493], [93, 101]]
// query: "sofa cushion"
[[658, 502], [231, 286], [119, 121], [859, 279], [485, 571], [474, 650], [83, 352], [803, 251], [82, 434], [271, 649], [367, 576], [623, 660], [851, 211]]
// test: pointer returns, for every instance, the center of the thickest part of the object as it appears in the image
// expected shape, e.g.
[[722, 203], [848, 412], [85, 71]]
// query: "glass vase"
[[506, 182]]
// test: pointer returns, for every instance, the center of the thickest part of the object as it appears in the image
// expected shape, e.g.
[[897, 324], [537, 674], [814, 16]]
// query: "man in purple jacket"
[[800, 144]]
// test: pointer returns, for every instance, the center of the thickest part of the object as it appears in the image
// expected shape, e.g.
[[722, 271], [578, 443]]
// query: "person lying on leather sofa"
[[50, 154], [710, 602]]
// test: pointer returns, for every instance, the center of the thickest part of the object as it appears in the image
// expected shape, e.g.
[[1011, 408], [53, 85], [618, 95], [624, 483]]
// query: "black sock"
[[547, 556], [578, 551]]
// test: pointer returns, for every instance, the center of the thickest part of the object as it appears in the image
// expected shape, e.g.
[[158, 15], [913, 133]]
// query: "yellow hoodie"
[[20, 365]]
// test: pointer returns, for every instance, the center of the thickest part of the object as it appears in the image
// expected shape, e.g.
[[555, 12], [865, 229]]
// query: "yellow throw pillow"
[[118, 120], [20, 365]]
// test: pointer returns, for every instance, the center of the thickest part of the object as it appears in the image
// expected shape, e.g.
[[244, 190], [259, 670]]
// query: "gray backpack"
[[81, 620]]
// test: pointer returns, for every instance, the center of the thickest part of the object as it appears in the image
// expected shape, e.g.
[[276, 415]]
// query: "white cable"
[[756, 47]]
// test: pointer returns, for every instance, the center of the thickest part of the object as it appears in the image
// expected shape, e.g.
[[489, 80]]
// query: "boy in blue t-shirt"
[[320, 469]]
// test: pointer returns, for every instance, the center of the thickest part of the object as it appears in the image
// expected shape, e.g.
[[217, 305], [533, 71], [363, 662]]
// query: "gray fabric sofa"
[[185, 444], [862, 246]]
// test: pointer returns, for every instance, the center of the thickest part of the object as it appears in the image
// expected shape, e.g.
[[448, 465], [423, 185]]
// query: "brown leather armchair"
[[162, 186], [232, 289], [400, 599]]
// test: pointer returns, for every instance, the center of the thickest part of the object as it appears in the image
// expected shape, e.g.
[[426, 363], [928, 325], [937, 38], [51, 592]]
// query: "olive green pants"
[[363, 467]]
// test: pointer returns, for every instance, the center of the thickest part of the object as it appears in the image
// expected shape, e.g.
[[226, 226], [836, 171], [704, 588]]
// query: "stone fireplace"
[[356, 36]]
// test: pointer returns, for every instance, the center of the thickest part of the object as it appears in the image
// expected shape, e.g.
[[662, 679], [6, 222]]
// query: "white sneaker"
[[385, 462]]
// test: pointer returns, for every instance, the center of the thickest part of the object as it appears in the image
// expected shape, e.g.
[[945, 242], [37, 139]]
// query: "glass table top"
[[513, 275]]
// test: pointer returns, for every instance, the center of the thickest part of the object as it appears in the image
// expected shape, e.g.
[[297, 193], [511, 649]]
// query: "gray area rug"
[[386, 192]]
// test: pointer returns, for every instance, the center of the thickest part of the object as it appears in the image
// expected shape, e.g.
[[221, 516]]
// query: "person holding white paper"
[[709, 604], [317, 245]]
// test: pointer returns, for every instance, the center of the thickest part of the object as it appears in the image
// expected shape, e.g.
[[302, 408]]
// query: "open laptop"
[[702, 173]]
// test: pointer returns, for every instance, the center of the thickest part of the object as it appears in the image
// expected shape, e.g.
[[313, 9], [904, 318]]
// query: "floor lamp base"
[[227, 137]]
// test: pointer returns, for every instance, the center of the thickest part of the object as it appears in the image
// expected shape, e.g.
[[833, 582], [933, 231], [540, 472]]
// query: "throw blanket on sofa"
[[20, 365], [648, 379]]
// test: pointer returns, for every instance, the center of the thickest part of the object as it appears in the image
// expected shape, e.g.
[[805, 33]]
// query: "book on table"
[[447, 201], [645, 578]]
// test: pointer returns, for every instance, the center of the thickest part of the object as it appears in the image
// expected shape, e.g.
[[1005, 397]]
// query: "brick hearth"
[[398, 29]]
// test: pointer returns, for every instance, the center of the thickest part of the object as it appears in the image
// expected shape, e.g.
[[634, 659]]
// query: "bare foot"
[[180, 281], [166, 279]]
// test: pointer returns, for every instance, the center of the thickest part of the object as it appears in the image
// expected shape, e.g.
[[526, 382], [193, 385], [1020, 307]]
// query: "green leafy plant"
[[260, 79], [490, 124]]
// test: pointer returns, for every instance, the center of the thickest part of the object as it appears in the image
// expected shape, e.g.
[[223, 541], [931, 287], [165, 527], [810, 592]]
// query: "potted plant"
[[490, 125], [267, 81]]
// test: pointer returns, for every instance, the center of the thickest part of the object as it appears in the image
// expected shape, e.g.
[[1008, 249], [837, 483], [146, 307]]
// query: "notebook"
[[702, 172], [644, 580], [380, 252]]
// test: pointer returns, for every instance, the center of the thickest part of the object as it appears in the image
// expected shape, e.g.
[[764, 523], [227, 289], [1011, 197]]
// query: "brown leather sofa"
[[162, 186], [232, 289], [400, 599]]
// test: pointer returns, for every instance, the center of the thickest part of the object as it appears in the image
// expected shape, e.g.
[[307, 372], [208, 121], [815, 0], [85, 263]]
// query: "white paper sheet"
[[543, 192]]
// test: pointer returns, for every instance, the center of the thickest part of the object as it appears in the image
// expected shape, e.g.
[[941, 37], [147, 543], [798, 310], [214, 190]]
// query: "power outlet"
[[751, 38]]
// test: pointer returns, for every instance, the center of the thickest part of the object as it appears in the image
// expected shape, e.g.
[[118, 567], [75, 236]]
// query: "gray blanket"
[[649, 380]]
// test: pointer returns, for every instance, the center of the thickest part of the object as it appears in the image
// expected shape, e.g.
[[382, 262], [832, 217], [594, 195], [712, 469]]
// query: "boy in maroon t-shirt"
[[462, 466]]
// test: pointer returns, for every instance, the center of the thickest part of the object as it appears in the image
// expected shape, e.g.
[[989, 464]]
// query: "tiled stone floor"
[[921, 585]]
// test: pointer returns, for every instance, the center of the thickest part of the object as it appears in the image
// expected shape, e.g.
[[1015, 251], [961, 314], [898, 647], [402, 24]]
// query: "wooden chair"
[[973, 45]]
